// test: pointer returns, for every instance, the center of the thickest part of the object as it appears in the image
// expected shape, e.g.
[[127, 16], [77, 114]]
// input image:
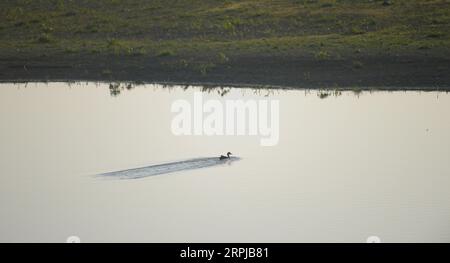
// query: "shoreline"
[[232, 85], [380, 72]]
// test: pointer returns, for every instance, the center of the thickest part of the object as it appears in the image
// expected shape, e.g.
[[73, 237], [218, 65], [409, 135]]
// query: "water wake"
[[166, 168]]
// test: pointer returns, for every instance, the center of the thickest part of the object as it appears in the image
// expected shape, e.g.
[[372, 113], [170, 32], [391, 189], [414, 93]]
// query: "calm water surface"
[[346, 167]]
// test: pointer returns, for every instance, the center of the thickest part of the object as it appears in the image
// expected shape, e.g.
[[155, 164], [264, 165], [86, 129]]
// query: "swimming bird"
[[225, 157]]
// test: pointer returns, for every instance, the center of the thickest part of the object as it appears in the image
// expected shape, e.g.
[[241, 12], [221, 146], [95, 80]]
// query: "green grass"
[[45, 38], [166, 53], [222, 29]]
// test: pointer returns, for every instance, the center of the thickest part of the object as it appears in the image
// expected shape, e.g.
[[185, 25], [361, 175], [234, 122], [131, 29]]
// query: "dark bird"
[[225, 157]]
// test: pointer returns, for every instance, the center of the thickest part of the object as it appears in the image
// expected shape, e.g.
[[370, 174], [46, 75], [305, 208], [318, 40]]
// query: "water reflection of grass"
[[117, 88]]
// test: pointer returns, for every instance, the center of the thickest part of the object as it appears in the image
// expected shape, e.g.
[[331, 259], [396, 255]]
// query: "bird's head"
[[228, 153]]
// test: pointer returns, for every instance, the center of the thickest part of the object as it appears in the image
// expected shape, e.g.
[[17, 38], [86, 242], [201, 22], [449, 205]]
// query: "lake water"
[[346, 167]]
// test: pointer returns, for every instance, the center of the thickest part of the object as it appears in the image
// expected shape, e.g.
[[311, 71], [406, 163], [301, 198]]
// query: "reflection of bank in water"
[[166, 168]]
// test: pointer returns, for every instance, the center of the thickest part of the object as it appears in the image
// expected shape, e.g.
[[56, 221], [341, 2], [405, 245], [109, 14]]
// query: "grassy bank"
[[203, 36]]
